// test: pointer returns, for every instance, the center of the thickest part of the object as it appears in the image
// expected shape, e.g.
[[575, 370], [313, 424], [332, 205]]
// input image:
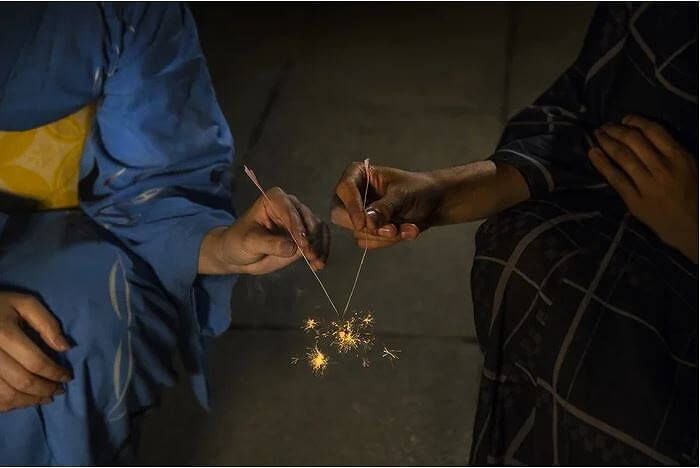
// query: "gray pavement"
[[306, 91]]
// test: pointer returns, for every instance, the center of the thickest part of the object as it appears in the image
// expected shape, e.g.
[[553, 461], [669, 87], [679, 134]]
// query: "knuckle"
[[37, 366], [6, 334], [24, 383], [274, 192], [353, 167], [25, 300], [632, 135]]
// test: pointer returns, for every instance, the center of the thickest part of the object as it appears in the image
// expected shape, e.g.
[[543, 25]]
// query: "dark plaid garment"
[[587, 321]]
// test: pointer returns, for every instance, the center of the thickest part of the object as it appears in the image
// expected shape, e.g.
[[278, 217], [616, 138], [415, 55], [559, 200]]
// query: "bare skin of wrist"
[[210, 253], [477, 190]]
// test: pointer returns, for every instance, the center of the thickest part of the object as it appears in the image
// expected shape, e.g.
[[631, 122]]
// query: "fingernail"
[[374, 215], [61, 343], [626, 119], [59, 391], [302, 233], [386, 232], [66, 378], [45, 400]]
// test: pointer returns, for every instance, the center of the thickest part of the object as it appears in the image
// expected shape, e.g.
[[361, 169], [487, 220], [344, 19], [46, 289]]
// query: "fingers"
[[380, 212], [625, 158], [405, 232], [285, 213], [636, 141], [657, 135], [388, 230], [409, 231], [289, 215], [368, 241], [20, 348], [263, 242], [315, 227], [41, 320], [340, 216], [23, 381], [11, 399], [615, 177], [269, 264], [348, 192]]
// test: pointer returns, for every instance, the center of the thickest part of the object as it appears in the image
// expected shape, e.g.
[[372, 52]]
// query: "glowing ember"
[[367, 320], [365, 362], [317, 360], [294, 361], [346, 337], [310, 324]]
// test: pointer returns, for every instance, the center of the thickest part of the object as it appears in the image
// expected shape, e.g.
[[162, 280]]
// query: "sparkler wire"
[[254, 179], [364, 254]]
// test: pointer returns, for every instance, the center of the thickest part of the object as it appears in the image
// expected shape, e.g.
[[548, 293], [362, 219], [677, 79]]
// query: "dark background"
[[308, 89]]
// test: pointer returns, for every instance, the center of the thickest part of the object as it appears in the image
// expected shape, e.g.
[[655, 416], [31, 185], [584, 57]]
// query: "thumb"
[[380, 212], [264, 242]]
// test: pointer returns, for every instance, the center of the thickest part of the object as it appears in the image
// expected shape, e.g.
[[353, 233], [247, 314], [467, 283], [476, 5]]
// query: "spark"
[[365, 362], [367, 320], [346, 338], [294, 361], [317, 360], [310, 324], [391, 354]]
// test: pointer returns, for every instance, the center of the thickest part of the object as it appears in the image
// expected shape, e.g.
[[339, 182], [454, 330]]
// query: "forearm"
[[478, 190]]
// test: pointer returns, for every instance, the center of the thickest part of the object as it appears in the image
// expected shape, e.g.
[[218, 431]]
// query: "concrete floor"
[[306, 91]]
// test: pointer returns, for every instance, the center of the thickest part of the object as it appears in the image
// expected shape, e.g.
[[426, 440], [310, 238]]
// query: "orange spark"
[[317, 360], [310, 324]]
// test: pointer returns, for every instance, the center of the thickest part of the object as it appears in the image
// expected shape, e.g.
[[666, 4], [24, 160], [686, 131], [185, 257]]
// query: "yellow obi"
[[44, 163]]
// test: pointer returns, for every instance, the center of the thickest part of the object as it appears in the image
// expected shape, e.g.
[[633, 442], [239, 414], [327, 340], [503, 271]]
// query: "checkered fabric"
[[587, 321]]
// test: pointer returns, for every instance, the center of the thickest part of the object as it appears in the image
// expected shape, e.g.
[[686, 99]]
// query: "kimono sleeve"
[[548, 141], [156, 169]]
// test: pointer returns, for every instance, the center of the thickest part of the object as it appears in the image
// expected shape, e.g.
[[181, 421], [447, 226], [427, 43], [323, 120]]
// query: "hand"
[[655, 176], [27, 376], [259, 241], [400, 204]]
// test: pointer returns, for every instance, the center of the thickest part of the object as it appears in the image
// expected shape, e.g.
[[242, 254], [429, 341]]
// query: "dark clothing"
[[588, 322]]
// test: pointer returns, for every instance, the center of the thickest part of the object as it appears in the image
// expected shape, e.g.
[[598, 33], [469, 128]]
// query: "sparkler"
[[345, 336], [254, 179], [364, 254]]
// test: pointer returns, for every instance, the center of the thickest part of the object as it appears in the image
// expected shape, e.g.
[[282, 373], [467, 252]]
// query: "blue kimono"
[[119, 272]]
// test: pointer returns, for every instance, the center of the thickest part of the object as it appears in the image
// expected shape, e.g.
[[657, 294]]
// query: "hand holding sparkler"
[[260, 240], [403, 204], [400, 206]]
